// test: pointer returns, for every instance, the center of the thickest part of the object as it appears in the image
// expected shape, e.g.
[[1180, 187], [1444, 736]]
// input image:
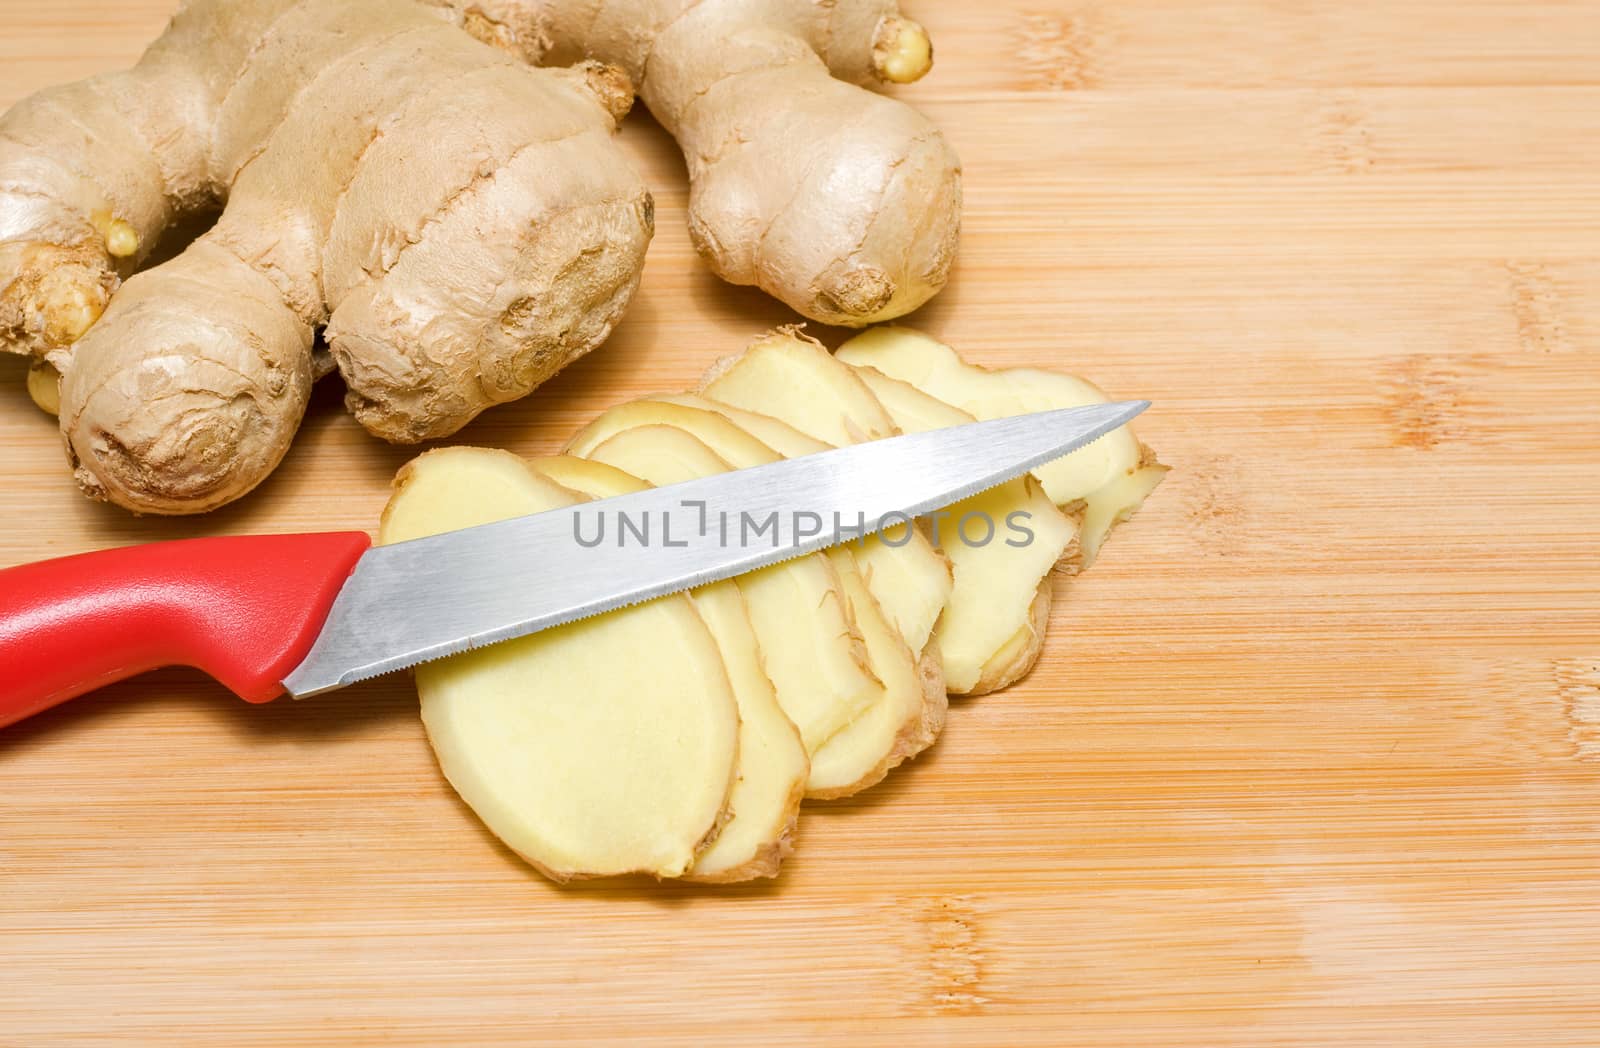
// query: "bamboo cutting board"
[[1313, 754]]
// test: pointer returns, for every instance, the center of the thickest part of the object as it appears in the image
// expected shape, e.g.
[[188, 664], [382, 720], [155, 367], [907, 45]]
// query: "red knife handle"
[[245, 610]]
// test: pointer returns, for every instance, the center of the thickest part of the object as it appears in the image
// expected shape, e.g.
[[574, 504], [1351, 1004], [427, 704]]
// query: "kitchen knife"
[[304, 614]]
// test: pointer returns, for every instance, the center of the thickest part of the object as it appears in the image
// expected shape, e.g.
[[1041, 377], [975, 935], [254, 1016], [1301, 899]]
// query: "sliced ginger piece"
[[908, 577], [606, 746], [594, 480], [905, 574], [740, 448], [993, 623], [913, 410], [814, 654], [901, 573], [791, 376], [892, 731], [912, 577], [1105, 482], [773, 766], [771, 431], [907, 710]]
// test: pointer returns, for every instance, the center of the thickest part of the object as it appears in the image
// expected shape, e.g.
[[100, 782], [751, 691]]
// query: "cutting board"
[[1312, 755]]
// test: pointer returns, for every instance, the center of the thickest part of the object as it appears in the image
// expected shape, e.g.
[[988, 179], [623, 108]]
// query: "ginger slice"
[[1104, 483], [788, 382], [913, 579], [711, 429], [606, 746], [994, 623], [813, 652], [771, 777], [908, 580], [773, 764], [991, 629], [906, 722], [905, 574], [792, 377], [908, 707]]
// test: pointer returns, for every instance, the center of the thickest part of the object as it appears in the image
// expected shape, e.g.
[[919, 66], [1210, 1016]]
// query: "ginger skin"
[[509, 248], [858, 227]]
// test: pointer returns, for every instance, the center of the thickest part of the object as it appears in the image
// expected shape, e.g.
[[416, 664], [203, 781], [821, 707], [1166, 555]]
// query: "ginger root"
[[510, 246], [843, 203], [461, 224], [837, 663]]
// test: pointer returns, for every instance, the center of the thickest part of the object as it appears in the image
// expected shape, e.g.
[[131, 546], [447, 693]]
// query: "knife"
[[304, 614]]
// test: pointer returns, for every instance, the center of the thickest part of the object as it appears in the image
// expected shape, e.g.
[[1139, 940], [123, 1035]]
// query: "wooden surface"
[[1313, 754]]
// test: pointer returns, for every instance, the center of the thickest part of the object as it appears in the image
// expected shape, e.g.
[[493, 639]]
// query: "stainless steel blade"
[[430, 597]]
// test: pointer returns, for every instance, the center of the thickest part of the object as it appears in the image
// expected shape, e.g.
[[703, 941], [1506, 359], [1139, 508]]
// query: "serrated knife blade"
[[427, 598]]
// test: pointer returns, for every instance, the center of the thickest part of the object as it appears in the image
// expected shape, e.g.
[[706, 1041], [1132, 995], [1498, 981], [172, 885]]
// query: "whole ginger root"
[[843, 203], [460, 224]]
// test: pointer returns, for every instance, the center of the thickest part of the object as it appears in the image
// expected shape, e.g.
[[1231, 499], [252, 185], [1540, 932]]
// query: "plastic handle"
[[244, 610]]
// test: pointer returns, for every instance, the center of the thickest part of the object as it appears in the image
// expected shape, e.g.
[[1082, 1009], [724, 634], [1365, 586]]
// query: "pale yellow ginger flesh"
[[1103, 484], [902, 52], [121, 240], [793, 378], [992, 630], [907, 577], [668, 443], [977, 650], [905, 721], [773, 765], [988, 635], [770, 780], [824, 679], [508, 247], [44, 387], [602, 747], [817, 661]]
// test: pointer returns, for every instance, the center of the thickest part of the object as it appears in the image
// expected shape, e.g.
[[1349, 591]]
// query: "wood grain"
[[1313, 756]]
